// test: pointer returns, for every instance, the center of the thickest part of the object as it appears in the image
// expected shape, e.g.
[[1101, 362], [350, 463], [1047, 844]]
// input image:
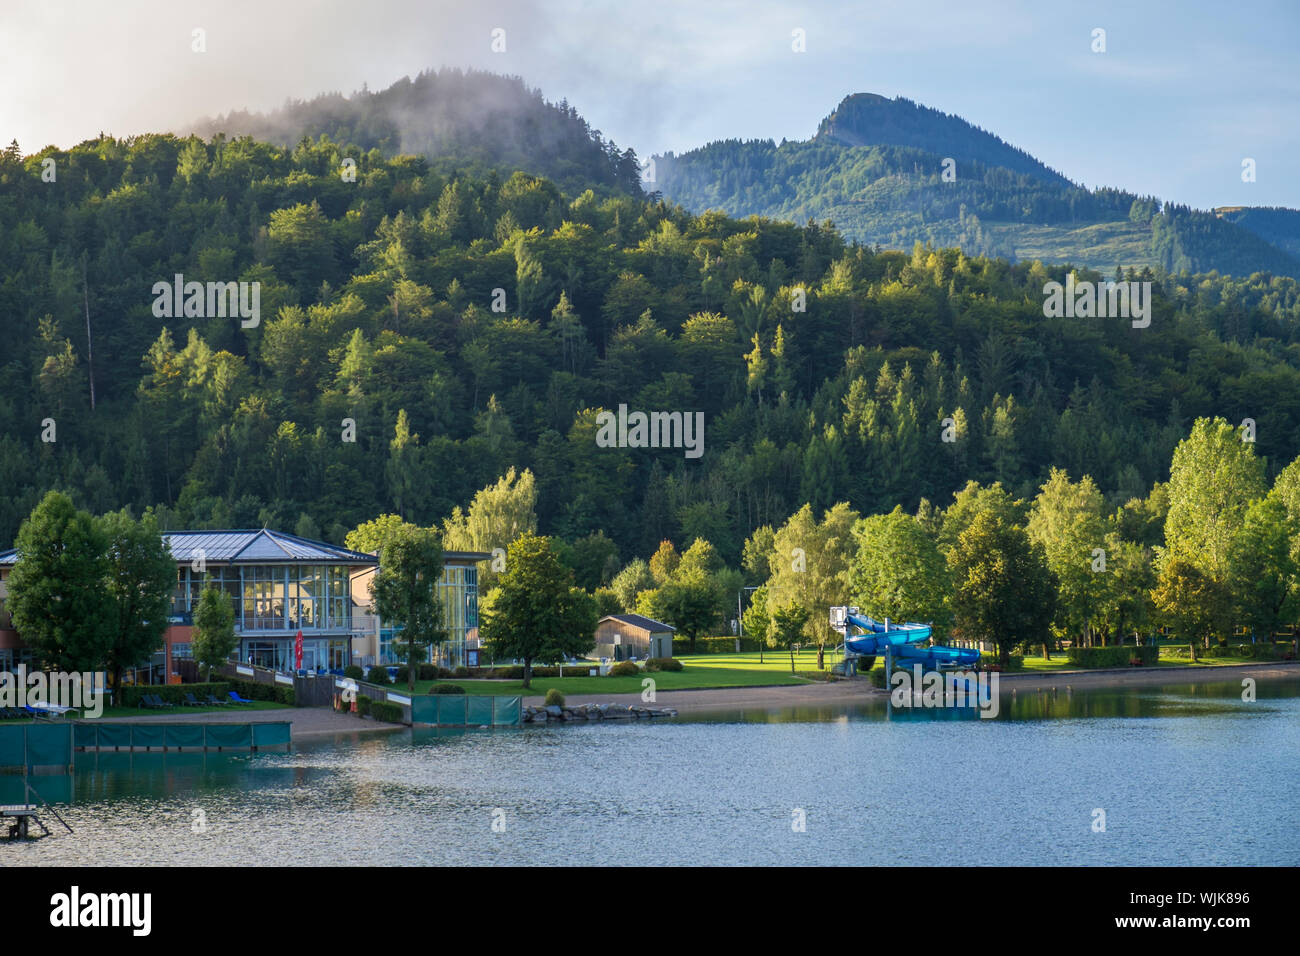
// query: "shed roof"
[[637, 620]]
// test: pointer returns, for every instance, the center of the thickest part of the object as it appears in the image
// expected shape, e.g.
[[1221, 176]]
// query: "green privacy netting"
[[271, 735], [230, 735], [478, 711], [12, 747], [455, 710], [424, 710], [506, 711], [148, 735], [36, 746], [49, 745], [451, 710], [184, 735]]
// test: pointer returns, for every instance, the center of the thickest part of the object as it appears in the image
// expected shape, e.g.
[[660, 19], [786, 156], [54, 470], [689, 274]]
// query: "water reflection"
[[1052, 703], [719, 789]]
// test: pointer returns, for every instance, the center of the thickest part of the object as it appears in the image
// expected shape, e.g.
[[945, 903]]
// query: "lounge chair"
[[235, 698], [191, 700], [217, 701]]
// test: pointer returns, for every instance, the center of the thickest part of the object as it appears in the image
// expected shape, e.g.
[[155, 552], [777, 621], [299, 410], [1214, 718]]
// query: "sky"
[[1183, 93]]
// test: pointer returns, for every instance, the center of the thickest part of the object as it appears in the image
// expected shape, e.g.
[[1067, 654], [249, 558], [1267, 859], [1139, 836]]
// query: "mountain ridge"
[[879, 169]]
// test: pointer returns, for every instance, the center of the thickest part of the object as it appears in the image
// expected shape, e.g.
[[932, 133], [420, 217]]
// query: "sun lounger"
[[235, 698]]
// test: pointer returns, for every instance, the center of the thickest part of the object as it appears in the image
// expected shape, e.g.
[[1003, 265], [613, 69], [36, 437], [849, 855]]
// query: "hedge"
[[1261, 651], [129, 696], [624, 669], [363, 705], [714, 645], [446, 689], [1015, 662], [253, 690], [432, 672], [663, 664], [383, 710], [516, 672], [1119, 656]]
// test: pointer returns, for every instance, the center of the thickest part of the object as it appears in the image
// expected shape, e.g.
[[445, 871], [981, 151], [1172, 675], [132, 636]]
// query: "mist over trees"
[[467, 117]]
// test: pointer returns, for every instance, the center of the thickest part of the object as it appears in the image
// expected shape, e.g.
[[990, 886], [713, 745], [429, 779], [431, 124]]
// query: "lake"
[[1184, 774]]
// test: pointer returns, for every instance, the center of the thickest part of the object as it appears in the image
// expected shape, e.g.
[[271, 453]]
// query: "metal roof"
[[246, 547], [636, 620], [258, 547]]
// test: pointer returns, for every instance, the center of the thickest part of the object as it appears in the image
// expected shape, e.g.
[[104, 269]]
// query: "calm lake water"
[[1185, 774]]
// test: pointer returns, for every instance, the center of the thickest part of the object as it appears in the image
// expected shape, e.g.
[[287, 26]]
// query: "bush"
[[172, 693], [624, 669], [1113, 656], [663, 664], [460, 672], [363, 705], [446, 689], [554, 697], [390, 713], [354, 672], [1015, 662], [877, 677], [403, 675], [378, 675], [714, 645], [1260, 651], [257, 691]]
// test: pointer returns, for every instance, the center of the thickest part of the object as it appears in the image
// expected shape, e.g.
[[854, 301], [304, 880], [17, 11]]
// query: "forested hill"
[[869, 119], [1275, 225], [876, 169], [462, 116], [824, 371]]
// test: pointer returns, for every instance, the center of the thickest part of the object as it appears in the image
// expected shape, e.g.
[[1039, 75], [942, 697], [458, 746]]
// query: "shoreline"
[[304, 722], [716, 700]]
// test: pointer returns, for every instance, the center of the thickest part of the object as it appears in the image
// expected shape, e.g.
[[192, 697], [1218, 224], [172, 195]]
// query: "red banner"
[[297, 652]]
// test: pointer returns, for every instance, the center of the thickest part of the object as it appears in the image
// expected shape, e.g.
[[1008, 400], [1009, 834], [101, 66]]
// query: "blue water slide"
[[900, 640]]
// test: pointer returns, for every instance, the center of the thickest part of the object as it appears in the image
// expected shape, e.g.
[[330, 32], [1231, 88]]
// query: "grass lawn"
[[712, 670]]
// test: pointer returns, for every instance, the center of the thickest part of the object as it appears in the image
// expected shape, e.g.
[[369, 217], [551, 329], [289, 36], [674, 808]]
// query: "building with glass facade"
[[280, 585], [458, 590]]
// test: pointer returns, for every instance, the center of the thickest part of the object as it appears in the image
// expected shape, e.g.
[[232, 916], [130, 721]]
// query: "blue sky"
[[1184, 92]]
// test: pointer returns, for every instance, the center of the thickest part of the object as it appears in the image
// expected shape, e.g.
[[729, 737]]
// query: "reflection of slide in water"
[[970, 712], [901, 640]]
